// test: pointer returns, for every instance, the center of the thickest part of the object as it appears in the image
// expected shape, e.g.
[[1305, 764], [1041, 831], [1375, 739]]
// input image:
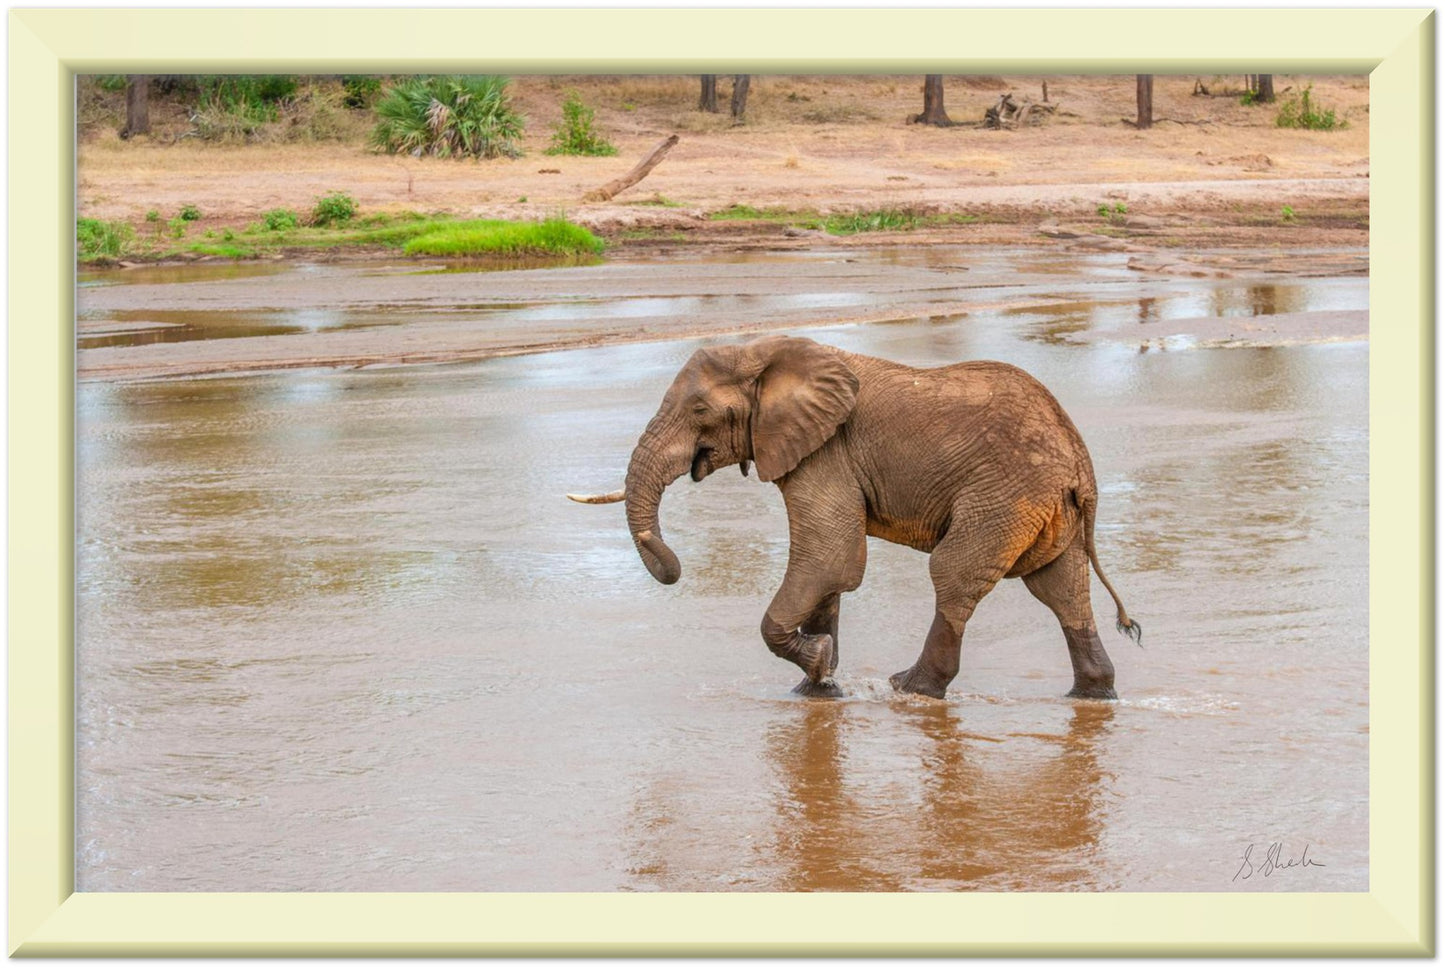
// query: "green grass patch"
[[554, 237], [881, 220], [96, 239], [413, 233], [844, 223], [224, 251]]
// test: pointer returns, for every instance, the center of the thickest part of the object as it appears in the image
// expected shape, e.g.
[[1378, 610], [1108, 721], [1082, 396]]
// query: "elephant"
[[975, 464]]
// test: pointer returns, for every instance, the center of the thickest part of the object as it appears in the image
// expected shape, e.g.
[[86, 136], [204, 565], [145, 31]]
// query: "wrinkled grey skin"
[[975, 464]]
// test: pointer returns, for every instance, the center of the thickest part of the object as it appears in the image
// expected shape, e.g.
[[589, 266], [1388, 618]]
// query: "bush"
[[96, 238], [448, 116], [360, 90], [189, 213], [575, 135], [333, 209], [1300, 112], [280, 219], [250, 92]]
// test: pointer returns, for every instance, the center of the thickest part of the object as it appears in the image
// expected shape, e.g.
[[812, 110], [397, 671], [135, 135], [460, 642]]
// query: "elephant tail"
[[1088, 503]]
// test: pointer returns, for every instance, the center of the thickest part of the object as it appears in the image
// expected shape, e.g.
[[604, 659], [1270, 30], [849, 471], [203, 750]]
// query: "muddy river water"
[[339, 629]]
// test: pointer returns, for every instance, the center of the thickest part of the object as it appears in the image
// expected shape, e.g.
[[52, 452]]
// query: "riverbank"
[[1211, 173]]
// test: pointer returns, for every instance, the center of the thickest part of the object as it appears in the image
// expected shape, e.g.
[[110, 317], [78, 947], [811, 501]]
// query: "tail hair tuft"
[[1133, 630]]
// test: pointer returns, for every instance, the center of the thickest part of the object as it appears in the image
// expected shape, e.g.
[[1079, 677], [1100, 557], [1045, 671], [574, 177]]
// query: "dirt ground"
[[1210, 173]]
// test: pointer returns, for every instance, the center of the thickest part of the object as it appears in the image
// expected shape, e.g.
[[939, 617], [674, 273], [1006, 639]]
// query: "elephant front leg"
[[811, 652], [823, 622], [826, 557]]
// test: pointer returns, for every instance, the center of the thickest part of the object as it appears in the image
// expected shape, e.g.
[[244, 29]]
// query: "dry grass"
[[809, 142]]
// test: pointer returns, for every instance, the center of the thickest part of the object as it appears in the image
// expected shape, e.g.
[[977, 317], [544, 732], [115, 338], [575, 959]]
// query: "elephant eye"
[[700, 408]]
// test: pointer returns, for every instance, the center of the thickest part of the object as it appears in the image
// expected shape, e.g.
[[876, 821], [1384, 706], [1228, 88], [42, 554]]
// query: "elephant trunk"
[[656, 462]]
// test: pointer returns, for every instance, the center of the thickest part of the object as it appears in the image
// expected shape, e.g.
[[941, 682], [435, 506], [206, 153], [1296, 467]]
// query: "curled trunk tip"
[[658, 557]]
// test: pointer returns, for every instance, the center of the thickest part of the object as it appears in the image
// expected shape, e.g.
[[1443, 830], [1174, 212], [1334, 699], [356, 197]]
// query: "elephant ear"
[[804, 392]]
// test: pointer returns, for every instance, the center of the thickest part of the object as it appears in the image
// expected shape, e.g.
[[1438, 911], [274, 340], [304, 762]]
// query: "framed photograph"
[[316, 324]]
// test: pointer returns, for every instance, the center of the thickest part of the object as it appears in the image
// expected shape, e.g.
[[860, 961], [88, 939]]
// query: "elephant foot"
[[822, 689], [814, 655], [919, 682], [1092, 690]]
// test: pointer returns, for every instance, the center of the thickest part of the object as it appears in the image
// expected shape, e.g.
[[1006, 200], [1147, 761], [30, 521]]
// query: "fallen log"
[[1010, 114], [618, 185]]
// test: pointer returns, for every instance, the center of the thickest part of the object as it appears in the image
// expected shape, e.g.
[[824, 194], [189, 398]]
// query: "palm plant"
[[448, 116]]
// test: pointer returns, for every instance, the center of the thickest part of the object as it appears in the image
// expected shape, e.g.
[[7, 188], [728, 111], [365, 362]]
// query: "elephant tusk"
[[611, 497]]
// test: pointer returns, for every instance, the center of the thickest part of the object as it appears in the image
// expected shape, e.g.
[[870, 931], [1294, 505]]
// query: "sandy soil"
[[1210, 173]]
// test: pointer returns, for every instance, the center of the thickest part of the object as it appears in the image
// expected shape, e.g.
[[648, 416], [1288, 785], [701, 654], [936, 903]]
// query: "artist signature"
[[1273, 861]]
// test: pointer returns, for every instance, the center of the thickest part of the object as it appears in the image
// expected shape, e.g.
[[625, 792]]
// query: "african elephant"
[[975, 464]]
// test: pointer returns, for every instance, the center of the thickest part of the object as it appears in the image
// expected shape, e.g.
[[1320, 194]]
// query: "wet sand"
[[340, 630], [357, 316]]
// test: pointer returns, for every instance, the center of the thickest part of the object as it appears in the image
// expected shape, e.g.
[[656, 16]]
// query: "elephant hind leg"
[[963, 571], [1063, 585]]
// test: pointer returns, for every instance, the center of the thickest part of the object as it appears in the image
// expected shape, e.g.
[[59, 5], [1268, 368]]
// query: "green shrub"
[[248, 91], [281, 219], [153, 215], [110, 82], [177, 226], [360, 90], [189, 213], [575, 135], [96, 238], [448, 116], [238, 107], [1300, 112], [337, 208], [556, 236]]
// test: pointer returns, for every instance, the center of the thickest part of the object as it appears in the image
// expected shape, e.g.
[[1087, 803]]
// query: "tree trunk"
[[1266, 88], [740, 95], [708, 100], [137, 105], [653, 159], [1145, 95], [933, 112]]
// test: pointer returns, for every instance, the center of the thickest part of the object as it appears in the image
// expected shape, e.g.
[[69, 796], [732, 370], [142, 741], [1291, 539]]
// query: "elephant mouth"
[[702, 463]]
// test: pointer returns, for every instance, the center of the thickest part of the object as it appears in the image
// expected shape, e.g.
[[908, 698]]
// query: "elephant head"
[[771, 402]]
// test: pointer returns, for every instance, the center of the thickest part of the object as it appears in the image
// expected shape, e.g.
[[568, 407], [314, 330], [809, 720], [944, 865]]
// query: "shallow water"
[[341, 631]]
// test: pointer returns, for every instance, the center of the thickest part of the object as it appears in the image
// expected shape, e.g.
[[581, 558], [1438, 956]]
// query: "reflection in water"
[[144, 327], [976, 812], [892, 798]]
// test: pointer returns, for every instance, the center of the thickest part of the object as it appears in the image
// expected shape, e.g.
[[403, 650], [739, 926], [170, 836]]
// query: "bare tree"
[[933, 112], [1264, 89], [137, 105], [707, 101], [1144, 92], [740, 95]]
